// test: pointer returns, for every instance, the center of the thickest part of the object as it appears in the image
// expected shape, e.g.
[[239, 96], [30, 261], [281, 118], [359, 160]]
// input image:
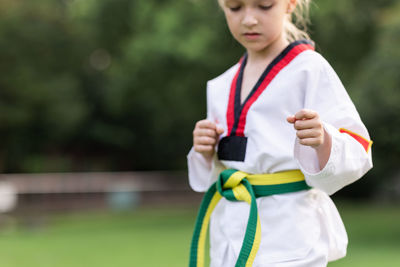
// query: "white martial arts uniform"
[[301, 229]]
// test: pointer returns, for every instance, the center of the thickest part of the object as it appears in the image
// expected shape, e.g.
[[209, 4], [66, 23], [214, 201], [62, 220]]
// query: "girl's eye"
[[234, 8], [265, 7]]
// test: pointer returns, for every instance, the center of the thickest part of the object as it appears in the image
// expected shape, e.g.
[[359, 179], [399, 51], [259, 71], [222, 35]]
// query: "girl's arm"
[[332, 145], [203, 165]]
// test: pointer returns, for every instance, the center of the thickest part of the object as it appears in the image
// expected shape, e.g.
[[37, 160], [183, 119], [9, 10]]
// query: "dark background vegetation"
[[117, 85]]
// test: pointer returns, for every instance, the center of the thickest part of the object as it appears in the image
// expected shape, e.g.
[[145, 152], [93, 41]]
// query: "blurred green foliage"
[[118, 84]]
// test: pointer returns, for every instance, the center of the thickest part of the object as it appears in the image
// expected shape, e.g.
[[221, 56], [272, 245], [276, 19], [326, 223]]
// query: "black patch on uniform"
[[232, 148]]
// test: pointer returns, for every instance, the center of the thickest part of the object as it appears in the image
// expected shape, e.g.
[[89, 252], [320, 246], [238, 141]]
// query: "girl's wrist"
[[326, 142], [208, 156], [324, 150]]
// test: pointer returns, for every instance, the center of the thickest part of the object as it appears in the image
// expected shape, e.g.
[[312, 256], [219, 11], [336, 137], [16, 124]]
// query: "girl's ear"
[[291, 6]]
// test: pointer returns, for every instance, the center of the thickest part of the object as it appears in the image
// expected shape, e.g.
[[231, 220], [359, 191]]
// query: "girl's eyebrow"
[[254, 1], [266, 1], [231, 1]]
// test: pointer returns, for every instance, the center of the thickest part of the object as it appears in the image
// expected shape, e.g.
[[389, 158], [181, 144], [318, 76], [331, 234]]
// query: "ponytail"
[[295, 27]]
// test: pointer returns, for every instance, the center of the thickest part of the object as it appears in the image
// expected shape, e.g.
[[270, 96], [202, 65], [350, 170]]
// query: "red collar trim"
[[236, 113]]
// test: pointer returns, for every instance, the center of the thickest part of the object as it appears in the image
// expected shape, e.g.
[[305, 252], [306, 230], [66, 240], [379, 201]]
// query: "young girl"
[[287, 135]]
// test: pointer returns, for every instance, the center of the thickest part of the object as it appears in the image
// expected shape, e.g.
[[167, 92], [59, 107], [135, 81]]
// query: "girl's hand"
[[311, 132], [205, 137]]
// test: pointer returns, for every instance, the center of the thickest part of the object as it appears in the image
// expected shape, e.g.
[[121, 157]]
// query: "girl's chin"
[[255, 48]]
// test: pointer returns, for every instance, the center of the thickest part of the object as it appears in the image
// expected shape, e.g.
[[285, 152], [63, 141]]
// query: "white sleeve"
[[350, 156], [201, 172]]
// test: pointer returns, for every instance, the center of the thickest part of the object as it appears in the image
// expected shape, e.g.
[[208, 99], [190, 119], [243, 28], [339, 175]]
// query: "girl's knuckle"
[[211, 133], [201, 141], [208, 148], [211, 141], [204, 140]]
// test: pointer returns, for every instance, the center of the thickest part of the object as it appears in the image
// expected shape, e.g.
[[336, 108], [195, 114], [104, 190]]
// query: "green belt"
[[239, 186]]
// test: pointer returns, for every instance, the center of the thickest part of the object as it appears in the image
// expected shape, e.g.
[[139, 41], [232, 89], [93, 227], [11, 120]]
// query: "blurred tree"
[[41, 103], [345, 32], [377, 95], [105, 85]]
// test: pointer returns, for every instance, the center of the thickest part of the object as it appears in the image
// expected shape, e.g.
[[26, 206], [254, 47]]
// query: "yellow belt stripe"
[[203, 233], [256, 244], [235, 179], [276, 178], [241, 193]]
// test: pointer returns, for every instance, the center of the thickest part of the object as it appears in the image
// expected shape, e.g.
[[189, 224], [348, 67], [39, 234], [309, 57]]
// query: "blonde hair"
[[295, 25]]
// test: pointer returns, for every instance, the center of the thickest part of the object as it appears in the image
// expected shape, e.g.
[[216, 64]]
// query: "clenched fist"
[[205, 137], [311, 132]]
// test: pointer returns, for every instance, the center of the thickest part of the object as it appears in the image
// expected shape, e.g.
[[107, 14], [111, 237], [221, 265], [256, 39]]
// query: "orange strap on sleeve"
[[363, 141]]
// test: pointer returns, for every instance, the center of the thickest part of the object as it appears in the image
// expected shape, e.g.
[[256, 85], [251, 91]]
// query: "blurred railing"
[[60, 192]]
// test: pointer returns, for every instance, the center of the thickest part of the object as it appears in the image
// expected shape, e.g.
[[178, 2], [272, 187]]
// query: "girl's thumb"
[[291, 119], [220, 130]]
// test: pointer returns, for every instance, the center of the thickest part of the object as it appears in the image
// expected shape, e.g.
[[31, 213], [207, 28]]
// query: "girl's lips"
[[251, 35]]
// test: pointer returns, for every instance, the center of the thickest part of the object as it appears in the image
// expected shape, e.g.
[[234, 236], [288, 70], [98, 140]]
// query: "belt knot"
[[233, 185]]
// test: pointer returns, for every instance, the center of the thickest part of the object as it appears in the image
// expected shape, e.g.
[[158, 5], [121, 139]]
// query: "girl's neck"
[[265, 56]]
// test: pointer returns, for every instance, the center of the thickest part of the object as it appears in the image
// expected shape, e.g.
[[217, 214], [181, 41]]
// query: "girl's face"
[[257, 24]]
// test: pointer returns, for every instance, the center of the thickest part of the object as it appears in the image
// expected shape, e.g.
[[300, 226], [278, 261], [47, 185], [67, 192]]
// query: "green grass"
[[161, 237], [374, 235], [144, 238]]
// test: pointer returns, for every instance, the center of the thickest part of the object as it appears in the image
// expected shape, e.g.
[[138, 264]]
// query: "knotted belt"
[[239, 186]]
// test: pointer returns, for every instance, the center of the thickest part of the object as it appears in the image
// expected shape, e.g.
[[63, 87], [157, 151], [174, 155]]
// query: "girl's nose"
[[249, 19]]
